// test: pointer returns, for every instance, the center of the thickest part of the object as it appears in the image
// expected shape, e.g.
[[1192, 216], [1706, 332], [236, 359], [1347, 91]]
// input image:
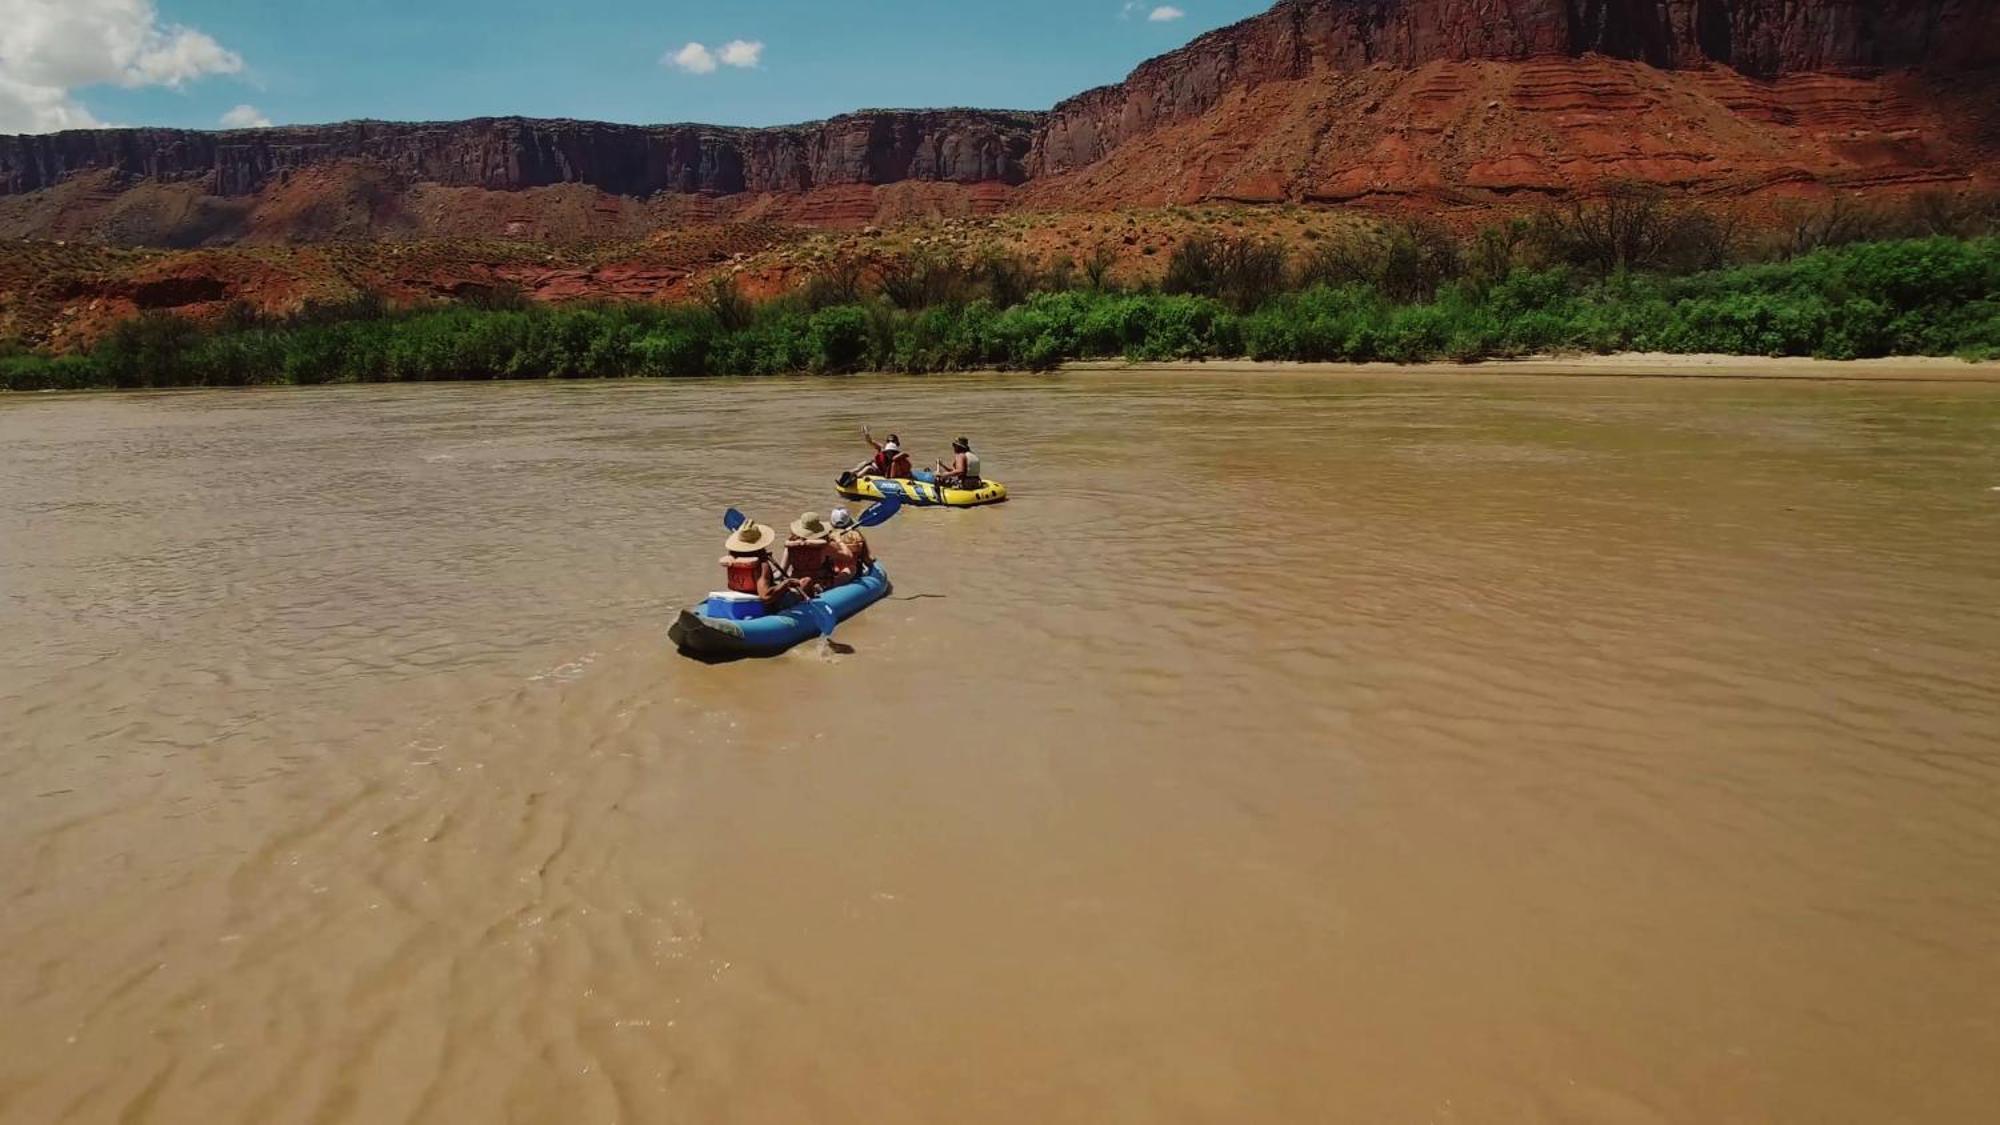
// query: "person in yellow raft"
[[889, 460], [962, 471]]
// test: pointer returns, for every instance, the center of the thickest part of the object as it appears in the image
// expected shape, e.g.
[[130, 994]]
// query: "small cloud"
[[1165, 13], [245, 117], [741, 53], [696, 58], [693, 58]]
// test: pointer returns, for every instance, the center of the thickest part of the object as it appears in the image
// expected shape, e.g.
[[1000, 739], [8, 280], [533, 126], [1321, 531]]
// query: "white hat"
[[840, 517], [891, 447]]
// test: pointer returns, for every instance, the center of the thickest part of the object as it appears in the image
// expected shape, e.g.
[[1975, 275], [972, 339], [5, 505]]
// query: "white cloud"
[[741, 53], [698, 59], [1165, 13], [693, 58], [27, 108], [245, 117], [49, 48]]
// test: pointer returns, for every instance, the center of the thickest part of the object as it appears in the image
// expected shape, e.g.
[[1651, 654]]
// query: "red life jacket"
[[895, 466], [743, 573]]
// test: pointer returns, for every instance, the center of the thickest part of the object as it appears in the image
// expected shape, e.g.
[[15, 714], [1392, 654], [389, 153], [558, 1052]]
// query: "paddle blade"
[[823, 617], [733, 519], [880, 512]]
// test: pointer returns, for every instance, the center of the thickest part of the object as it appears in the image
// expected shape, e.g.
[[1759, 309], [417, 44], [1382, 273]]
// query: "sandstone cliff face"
[[512, 154], [1315, 100], [1300, 38]]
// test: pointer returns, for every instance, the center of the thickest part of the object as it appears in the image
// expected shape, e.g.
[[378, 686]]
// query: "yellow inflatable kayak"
[[922, 491]]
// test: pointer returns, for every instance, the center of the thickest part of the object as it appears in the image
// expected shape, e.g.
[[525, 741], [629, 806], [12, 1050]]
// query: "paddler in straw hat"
[[809, 553], [752, 570]]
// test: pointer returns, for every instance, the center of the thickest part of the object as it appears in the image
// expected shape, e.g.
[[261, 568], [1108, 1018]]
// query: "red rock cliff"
[[510, 154], [1315, 100], [1299, 38]]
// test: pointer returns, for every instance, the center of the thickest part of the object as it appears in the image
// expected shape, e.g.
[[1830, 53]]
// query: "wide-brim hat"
[[750, 539], [812, 526]]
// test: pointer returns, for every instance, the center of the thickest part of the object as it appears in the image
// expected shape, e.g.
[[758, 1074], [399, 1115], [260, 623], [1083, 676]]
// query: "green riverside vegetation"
[[1405, 297]]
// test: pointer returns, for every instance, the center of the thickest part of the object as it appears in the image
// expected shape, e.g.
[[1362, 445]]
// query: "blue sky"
[[191, 62]]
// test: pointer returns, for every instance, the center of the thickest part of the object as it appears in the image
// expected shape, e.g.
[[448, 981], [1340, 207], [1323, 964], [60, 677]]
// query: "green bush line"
[[1929, 297]]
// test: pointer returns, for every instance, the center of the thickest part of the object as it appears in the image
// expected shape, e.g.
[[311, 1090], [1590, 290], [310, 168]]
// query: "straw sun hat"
[[750, 539], [811, 527]]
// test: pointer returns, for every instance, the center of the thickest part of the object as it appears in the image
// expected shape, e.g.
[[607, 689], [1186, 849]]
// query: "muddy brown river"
[[1442, 749]]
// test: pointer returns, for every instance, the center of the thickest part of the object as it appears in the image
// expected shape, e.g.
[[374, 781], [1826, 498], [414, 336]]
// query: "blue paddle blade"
[[733, 519], [879, 512], [823, 617]]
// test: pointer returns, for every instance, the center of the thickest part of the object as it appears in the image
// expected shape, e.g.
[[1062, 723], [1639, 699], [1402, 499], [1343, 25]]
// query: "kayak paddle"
[[818, 612], [822, 617], [879, 512]]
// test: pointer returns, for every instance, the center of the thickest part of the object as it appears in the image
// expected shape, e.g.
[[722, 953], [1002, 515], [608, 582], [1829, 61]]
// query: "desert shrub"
[[1495, 251], [1635, 227], [727, 304], [838, 339], [1408, 260], [1931, 296], [1006, 278], [49, 373], [1241, 272], [365, 304], [842, 281], [672, 350], [1097, 269], [149, 350], [925, 279], [1060, 277]]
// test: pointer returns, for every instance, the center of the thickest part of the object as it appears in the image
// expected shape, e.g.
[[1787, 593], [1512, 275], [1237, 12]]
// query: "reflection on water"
[[1292, 748]]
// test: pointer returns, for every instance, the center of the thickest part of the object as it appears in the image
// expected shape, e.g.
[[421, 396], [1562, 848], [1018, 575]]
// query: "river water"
[[1292, 748]]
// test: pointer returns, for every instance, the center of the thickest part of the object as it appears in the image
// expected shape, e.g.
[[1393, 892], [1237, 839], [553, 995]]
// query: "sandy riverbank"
[[1655, 365]]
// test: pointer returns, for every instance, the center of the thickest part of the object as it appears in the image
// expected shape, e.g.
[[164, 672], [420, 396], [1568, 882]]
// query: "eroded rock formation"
[[1463, 101]]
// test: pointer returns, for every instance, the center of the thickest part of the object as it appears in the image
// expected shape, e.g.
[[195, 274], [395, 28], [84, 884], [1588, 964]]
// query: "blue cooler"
[[727, 605]]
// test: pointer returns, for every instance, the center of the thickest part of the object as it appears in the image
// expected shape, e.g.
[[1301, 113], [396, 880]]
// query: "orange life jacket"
[[805, 558], [743, 573]]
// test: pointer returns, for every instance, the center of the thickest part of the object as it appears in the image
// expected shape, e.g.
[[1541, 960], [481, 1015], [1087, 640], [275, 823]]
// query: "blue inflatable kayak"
[[712, 628]]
